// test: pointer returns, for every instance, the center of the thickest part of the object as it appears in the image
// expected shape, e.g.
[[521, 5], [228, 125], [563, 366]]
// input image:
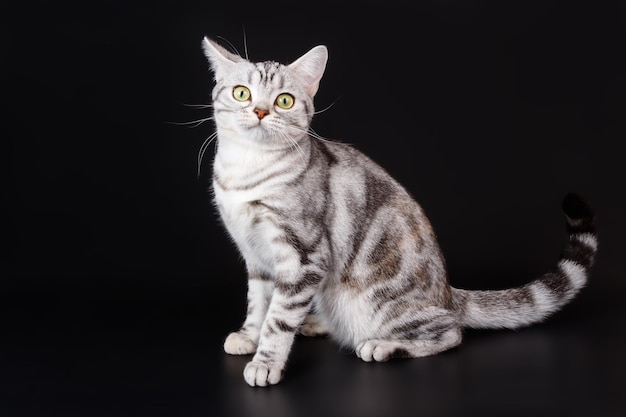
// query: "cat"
[[333, 245]]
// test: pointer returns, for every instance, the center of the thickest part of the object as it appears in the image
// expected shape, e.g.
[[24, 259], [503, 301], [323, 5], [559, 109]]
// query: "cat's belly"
[[348, 314]]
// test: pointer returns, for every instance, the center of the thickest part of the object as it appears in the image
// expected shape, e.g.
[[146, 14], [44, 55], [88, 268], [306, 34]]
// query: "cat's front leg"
[[245, 340], [290, 303]]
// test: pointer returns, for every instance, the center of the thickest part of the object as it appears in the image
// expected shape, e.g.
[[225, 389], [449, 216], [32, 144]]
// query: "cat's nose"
[[261, 113]]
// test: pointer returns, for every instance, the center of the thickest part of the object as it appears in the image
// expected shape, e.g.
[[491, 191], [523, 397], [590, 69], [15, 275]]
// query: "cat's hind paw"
[[313, 326], [377, 350], [259, 374], [239, 344]]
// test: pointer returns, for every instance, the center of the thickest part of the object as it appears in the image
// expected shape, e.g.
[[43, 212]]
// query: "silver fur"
[[334, 245]]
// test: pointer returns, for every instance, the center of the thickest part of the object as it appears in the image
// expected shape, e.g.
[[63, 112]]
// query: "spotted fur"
[[334, 245]]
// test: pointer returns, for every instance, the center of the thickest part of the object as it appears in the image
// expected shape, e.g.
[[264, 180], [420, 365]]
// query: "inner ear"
[[310, 68]]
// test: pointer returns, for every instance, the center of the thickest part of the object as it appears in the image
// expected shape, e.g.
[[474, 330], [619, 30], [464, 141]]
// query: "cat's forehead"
[[269, 68], [266, 74]]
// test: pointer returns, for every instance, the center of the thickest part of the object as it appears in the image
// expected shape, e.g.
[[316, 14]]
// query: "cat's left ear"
[[310, 68]]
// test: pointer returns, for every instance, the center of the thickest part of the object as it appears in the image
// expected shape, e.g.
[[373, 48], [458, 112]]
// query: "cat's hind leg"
[[413, 339], [380, 350], [313, 326]]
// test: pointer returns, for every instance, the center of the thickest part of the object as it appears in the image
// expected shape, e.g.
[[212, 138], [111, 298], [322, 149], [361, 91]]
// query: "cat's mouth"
[[257, 126], [259, 130]]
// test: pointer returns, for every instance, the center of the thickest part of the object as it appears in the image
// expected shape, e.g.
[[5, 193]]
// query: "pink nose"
[[261, 113]]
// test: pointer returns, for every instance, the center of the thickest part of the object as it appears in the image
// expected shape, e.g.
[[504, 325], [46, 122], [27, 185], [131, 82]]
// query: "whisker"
[[195, 123], [311, 132], [198, 106], [203, 149], [325, 108], [294, 144], [299, 149], [245, 42], [318, 136]]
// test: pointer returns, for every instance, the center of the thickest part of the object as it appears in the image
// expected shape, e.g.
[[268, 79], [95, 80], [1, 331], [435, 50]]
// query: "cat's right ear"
[[222, 61]]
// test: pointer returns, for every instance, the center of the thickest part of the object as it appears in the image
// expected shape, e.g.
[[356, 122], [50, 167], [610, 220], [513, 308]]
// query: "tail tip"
[[576, 207]]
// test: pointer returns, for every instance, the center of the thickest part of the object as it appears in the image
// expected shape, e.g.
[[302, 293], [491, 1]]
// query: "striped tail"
[[531, 303]]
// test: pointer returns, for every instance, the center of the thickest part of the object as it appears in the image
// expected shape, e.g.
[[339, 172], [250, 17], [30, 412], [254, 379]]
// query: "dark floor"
[[159, 354]]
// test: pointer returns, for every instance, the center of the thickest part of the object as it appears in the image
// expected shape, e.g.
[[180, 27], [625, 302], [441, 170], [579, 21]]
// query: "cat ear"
[[310, 67], [222, 61]]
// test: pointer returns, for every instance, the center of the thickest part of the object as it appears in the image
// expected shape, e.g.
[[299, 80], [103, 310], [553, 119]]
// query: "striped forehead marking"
[[266, 73]]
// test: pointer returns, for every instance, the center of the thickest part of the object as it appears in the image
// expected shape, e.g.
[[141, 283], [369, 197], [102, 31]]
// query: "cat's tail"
[[531, 303]]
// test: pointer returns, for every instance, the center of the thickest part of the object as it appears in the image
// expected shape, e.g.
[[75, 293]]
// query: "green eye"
[[285, 101], [241, 93]]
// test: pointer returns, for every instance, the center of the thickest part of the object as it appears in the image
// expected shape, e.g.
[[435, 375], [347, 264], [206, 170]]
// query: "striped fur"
[[334, 245]]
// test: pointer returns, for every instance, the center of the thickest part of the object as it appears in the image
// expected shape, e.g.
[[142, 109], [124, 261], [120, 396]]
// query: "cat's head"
[[265, 102]]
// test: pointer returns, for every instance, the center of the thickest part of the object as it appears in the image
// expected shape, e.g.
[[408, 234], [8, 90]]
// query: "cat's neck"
[[239, 155]]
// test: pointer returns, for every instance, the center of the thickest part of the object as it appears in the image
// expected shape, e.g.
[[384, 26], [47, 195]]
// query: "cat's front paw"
[[239, 344], [259, 374]]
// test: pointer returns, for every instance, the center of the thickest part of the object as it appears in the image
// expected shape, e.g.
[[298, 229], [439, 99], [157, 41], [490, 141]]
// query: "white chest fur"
[[243, 218], [253, 188], [240, 194]]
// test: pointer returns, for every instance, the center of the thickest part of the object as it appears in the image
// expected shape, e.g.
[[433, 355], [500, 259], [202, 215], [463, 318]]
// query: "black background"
[[119, 284]]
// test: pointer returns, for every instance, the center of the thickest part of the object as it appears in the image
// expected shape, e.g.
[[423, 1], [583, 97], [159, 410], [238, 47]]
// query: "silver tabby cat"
[[334, 245]]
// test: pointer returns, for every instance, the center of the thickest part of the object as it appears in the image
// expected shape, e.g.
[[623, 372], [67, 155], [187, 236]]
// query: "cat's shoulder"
[[346, 156]]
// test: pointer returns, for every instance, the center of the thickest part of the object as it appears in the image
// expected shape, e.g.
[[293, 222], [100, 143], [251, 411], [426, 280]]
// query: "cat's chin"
[[259, 134]]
